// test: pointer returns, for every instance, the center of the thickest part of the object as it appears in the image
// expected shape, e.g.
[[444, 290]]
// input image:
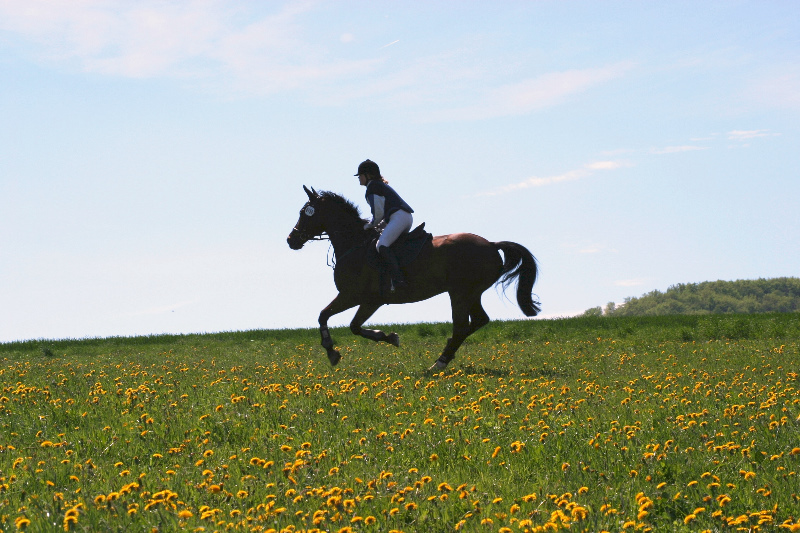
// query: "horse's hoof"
[[334, 357], [393, 339], [438, 365]]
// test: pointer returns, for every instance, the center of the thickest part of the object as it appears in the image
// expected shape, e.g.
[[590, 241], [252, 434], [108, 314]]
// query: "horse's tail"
[[519, 263]]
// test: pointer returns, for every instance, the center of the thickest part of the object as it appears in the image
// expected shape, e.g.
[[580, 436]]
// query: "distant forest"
[[741, 296]]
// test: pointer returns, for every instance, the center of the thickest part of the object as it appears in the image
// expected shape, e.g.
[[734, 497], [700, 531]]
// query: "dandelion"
[[21, 522], [579, 513], [689, 518], [183, 515]]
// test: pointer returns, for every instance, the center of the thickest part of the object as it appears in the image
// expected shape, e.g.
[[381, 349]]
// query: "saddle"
[[406, 248]]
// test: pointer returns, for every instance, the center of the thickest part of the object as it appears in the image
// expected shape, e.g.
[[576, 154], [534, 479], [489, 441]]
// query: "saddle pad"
[[406, 248]]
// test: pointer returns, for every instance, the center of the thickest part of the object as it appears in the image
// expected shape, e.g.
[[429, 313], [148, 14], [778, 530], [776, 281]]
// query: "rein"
[[331, 258]]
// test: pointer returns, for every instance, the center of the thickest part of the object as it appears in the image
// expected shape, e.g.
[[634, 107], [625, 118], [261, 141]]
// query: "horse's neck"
[[346, 236]]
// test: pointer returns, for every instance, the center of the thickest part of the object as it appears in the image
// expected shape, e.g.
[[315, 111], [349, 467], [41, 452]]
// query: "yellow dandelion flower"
[[183, 515], [434, 457], [242, 494], [579, 513], [689, 518], [21, 522]]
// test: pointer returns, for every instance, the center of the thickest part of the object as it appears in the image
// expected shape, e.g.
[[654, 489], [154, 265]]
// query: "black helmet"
[[369, 168]]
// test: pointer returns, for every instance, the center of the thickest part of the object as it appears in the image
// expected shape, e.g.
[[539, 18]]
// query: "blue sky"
[[152, 154]]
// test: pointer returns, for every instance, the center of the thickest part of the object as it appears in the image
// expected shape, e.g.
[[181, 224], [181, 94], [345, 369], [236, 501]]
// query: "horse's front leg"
[[362, 315], [339, 304]]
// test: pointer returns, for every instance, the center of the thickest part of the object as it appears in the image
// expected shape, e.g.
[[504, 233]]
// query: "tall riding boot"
[[388, 258]]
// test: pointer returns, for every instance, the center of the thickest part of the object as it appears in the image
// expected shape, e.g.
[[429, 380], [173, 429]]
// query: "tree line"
[[711, 297]]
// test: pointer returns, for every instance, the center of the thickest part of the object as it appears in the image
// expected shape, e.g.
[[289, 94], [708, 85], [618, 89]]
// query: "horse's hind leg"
[[361, 316], [461, 330], [477, 316]]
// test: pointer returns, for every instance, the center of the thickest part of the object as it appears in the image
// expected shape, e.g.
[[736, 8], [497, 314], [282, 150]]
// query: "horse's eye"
[[309, 211]]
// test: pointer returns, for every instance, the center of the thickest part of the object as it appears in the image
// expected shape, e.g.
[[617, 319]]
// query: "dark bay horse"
[[462, 264]]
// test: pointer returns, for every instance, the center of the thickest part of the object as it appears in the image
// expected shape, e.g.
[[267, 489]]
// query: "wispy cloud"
[[206, 40], [629, 282], [745, 135], [677, 149], [533, 94], [572, 175]]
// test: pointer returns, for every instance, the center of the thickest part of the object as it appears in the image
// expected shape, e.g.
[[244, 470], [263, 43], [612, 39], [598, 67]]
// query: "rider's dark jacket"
[[379, 193]]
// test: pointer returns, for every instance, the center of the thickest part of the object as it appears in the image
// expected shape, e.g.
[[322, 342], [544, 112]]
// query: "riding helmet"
[[369, 168]]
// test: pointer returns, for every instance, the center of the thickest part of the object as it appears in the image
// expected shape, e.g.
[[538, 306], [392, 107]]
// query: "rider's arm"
[[377, 211]]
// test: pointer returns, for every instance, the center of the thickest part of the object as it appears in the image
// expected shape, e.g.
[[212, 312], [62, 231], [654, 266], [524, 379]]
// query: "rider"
[[389, 209]]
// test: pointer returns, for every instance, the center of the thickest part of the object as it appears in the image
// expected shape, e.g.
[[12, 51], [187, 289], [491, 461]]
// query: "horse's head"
[[309, 225]]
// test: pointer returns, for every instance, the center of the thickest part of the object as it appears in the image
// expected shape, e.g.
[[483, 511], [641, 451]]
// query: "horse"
[[462, 264]]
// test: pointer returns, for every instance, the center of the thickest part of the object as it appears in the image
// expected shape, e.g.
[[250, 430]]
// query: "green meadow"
[[674, 423]]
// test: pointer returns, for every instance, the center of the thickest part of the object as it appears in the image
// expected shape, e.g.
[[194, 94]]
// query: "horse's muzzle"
[[294, 241]]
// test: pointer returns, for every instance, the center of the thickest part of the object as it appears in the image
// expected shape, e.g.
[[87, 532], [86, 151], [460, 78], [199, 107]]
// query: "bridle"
[[310, 237]]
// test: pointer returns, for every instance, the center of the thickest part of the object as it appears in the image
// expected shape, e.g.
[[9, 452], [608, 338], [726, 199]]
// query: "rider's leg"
[[400, 222]]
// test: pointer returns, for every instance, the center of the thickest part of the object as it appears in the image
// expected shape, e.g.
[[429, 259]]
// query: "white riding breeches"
[[400, 222]]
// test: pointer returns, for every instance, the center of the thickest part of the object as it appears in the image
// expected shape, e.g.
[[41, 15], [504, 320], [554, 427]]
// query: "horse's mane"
[[349, 207]]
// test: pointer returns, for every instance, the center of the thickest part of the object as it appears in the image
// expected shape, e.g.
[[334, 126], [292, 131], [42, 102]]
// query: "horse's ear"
[[315, 192], [311, 196]]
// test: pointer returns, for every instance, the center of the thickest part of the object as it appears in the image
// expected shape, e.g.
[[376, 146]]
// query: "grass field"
[[591, 424]]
